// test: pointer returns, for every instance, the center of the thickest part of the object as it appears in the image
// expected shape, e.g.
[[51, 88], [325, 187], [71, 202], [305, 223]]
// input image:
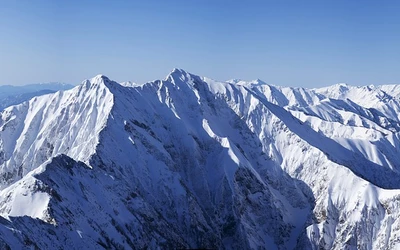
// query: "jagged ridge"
[[224, 165]]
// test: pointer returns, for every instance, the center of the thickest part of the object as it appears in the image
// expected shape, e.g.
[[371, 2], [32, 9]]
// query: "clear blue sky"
[[290, 43]]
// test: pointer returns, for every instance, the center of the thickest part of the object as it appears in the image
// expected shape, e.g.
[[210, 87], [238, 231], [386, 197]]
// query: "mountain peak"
[[100, 78], [95, 166], [179, 76], [178, 73], [98, 81], [243, 82], [177, 70]]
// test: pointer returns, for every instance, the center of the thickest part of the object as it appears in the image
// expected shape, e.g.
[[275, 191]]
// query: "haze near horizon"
[[290, 43]]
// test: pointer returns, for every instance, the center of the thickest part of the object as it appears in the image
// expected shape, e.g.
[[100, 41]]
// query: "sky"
[[287, 43]]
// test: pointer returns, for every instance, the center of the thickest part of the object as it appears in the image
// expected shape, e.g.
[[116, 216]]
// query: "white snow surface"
[[190, 162], [13, 95]]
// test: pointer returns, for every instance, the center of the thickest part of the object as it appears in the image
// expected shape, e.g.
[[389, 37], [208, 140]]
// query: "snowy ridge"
[[229, 164], [13, 95], [66, 122]]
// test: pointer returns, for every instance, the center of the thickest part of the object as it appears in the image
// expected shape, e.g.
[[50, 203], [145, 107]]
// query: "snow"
[[232, 164], [67, 122], [80, 233], [13, 95], [20, 199]]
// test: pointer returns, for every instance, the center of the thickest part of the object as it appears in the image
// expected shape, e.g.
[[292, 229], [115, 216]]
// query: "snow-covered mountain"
[[13, 95], [189, 162]]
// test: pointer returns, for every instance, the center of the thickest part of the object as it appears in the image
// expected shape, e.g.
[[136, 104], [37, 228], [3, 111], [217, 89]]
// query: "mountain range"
[[12, 95], [190, 162]]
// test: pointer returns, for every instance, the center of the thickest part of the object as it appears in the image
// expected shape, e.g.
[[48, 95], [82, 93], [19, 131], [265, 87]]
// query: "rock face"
[[188, 162]]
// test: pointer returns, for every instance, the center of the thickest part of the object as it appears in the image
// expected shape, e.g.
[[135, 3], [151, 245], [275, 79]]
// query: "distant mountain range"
[[12, 95], [190, 162]]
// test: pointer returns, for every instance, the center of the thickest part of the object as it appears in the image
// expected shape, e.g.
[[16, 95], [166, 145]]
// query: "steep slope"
[[220, 165], [13, 95], [66, 122], [384, 99]]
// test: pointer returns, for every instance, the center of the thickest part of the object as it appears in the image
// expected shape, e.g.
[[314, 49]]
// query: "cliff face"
[[188, 162]]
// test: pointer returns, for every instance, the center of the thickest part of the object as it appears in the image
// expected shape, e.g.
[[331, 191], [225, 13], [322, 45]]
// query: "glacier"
[[190, 162]]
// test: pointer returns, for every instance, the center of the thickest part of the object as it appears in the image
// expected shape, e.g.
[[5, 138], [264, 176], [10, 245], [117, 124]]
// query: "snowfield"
[[190, 162]]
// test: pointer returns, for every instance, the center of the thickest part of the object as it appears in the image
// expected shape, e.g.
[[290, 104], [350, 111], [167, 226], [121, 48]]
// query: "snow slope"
[[189, 162], [13, 95]]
